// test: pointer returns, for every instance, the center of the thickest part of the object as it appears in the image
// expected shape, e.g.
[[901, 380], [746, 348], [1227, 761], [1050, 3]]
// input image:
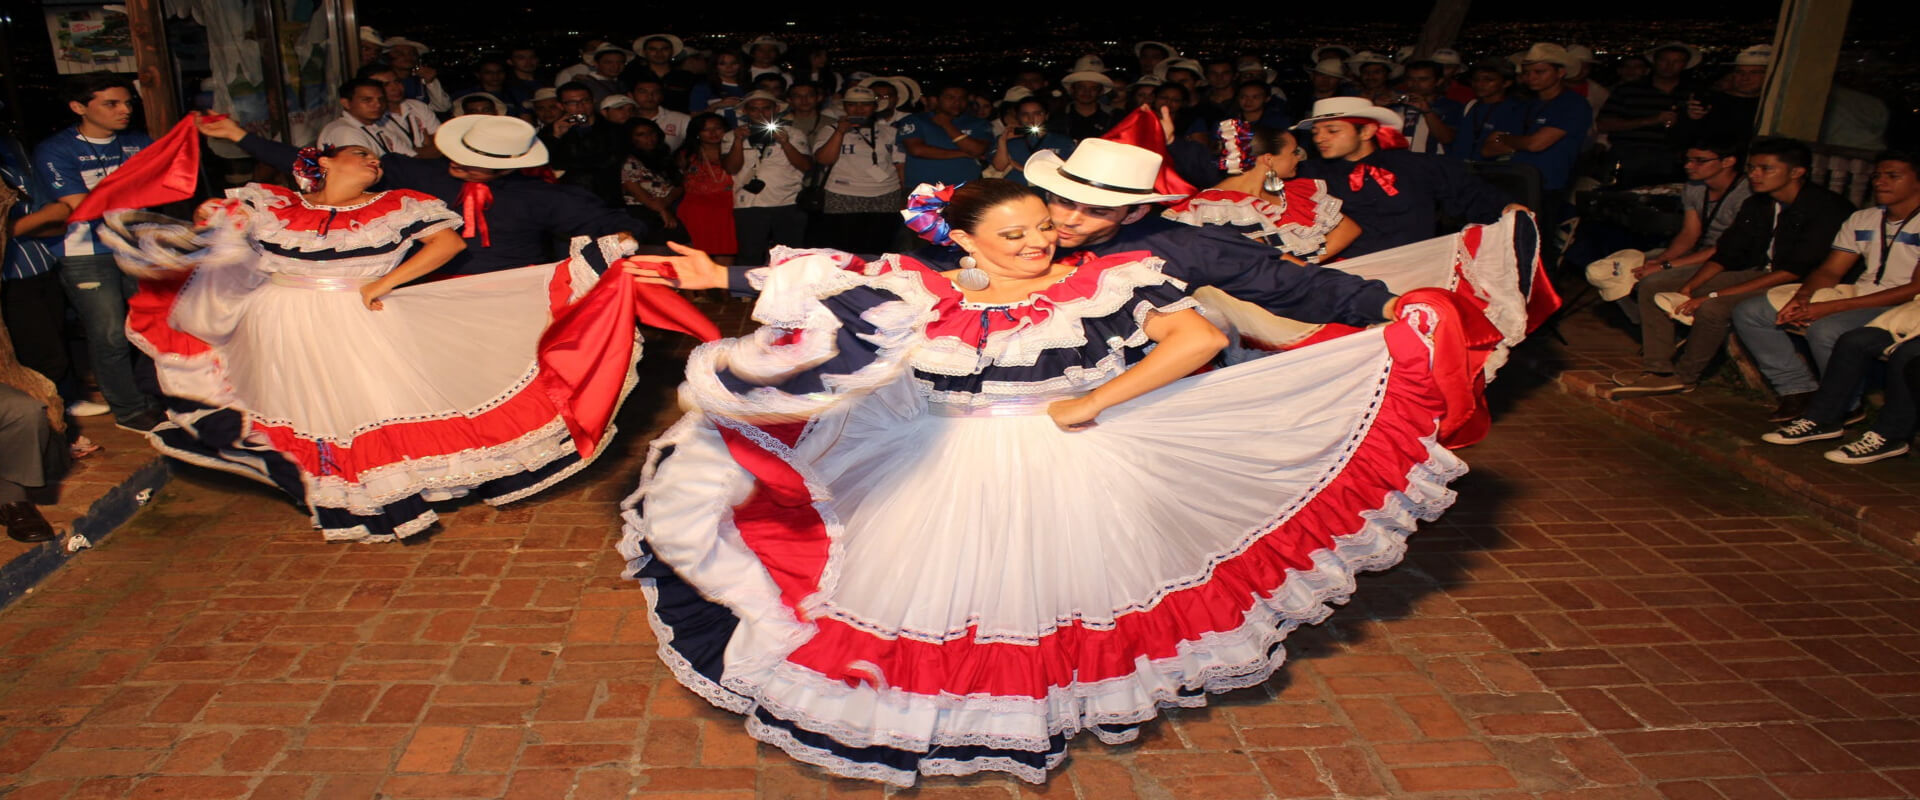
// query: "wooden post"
[[159, 97], [1443, 27], [1806, 45]]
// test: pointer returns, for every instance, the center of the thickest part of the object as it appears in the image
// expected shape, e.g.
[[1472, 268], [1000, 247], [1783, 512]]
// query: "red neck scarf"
[[475, 199], [1384, 138]]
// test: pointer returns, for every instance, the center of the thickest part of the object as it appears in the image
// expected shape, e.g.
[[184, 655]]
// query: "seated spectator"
[[1031, 135], [1854, 355], [1780, 235], [1640, 117], [365, 121], [1553, 129], [650, 181], [33, 454], [1492, 109], [1716, 190], [1363, 155], [1880, 245], [1432, 121]]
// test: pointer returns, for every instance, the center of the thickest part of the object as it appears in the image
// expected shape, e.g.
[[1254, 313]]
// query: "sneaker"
[[1650, 384], [1870, 447], [143, 422], [1802, 430], [1858, 416], [1628, 377], [1792, 407], [87, 408]]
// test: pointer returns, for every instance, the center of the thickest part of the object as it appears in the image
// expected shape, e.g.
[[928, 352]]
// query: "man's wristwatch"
[[1711, 295], [1666, 265]]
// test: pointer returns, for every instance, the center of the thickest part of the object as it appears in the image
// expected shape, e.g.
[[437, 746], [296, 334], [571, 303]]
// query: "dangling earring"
[[971, 278], [1273, 184]]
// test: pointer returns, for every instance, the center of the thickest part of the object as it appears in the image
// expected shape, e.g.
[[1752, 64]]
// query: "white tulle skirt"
[[982, 587]]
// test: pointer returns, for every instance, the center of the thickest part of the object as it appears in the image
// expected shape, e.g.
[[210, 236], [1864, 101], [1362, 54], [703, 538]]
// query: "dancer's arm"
[[1185, 341], [436, 249]]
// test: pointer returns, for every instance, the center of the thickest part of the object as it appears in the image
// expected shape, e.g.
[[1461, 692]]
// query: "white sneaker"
[[87, 408]]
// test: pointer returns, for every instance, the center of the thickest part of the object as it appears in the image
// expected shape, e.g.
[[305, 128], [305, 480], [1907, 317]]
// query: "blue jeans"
[[1855, 355], [99, 291], [1772, 346]]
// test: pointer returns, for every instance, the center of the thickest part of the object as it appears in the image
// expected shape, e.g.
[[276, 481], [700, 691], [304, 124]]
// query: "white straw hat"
[[1338, 107], [1100, 173], [479, 140], [679, 47]]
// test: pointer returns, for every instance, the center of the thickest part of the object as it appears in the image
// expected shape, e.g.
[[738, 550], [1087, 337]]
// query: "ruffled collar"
[[298, 215], [973, 323]]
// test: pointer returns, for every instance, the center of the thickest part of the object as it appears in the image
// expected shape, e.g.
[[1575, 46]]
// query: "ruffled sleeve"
[[1298, 225], [829, 330]]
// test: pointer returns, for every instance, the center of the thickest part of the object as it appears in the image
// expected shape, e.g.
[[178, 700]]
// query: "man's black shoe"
[[1792, 407], [24, 523]]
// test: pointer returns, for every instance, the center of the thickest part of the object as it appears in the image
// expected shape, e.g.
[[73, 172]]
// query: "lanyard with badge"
[[1888, 240], [1713, 210]]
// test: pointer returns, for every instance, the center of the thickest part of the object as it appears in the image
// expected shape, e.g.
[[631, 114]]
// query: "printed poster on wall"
[[91, 38]]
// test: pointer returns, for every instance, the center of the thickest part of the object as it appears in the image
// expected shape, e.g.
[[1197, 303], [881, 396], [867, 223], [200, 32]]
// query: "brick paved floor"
[[1597, 618]]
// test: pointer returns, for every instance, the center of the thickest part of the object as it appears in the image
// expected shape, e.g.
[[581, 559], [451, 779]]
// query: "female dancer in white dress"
[[306, 361], [914, 528]]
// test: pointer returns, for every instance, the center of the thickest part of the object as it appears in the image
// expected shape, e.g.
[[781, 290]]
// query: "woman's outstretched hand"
[[692, 269], [1074, 415], [370, 295]]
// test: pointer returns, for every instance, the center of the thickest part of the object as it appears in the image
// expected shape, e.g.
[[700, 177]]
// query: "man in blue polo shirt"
[[1555, 125], [69, 164], [944, 145]]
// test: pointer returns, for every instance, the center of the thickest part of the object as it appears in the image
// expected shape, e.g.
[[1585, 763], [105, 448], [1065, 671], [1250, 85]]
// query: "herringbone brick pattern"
[[1597, 618]]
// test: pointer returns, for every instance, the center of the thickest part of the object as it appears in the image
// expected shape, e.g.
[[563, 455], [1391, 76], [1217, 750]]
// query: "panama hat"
[[1447, 56], [1148, 79], [1165, 67], [679, 47], [401, 41], [1172, 52], [1087, 77], [1090, 63], [858, 94], [762, 94], [610, 48], [760, 40], [544, 93], [1100, 173], [480, 140], [371, 36], [616, 101], [1613, 275], [460, 103], [1015, 95], [1340, 107], [1759, 55], [1582, 53], [1549, 53], [1325, 51], [1369, 57], [1693, 53], [1330, 67]]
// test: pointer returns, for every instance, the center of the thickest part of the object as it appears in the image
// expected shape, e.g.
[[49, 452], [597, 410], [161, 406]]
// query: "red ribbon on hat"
[[475, 199], [1361, 172]]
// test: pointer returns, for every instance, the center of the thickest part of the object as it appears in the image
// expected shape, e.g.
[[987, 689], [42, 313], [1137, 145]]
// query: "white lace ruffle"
[[1494, 272], [388, 229], [1063, 326], [1305, 241], [1212, 663]]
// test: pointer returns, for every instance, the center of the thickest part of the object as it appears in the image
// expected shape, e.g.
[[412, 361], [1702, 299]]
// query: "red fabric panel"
[[163, 173]]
